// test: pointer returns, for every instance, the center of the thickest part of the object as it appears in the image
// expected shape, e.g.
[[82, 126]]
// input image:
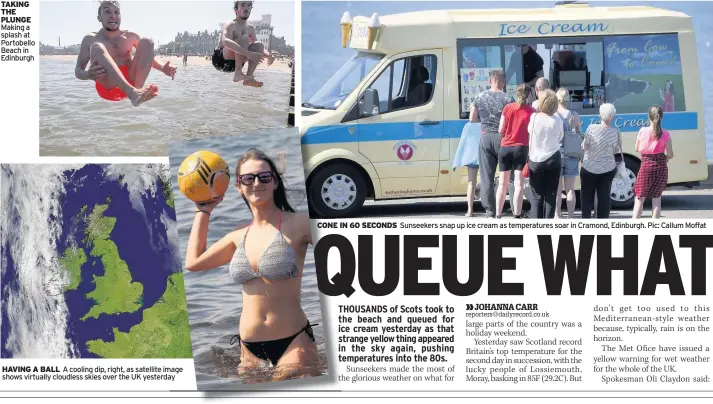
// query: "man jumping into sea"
[[117, 75], [238, 45]]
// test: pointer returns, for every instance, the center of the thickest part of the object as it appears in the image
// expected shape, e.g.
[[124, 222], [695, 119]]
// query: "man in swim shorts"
[[117, 75], [238, 45]]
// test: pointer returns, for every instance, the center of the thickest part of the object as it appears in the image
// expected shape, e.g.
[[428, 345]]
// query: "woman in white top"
[[602, 142], [545, 162]]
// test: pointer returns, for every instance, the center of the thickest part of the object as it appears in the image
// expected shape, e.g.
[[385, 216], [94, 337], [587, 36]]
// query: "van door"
[[401, 124]]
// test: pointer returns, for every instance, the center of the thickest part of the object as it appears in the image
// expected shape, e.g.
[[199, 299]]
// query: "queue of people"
[[543, 140]]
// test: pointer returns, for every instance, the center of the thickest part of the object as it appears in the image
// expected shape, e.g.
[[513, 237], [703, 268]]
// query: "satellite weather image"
[[89, 263]]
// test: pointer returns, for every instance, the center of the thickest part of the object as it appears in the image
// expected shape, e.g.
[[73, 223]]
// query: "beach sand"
[[177, 61]]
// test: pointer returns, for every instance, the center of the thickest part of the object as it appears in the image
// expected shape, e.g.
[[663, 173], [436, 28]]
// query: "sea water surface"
[[214, 299], [322, 52], [199, 102]]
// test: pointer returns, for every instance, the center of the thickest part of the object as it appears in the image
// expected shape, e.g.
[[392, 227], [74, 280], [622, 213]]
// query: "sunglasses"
[[265, 177]]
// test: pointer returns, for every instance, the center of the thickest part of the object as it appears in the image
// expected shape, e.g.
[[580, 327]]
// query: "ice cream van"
[[386, 125]]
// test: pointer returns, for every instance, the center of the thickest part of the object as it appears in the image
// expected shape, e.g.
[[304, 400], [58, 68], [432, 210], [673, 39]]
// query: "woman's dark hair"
[[655, 116], [279, 195]]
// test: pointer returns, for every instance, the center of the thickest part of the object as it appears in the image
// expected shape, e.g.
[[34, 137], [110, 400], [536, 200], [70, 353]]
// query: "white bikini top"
[[279, 261]]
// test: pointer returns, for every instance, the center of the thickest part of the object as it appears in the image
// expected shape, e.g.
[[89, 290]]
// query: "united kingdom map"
[[90, 263]]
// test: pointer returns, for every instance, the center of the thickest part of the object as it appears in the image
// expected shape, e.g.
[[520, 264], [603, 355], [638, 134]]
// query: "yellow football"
[[203, 176]]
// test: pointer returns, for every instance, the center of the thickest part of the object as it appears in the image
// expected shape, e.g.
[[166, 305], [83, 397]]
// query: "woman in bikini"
[[266, 257]]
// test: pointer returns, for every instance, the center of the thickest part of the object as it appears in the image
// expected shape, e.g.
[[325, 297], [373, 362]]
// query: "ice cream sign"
[[363, 34], [551, 29], [346, 24], [472, 82]]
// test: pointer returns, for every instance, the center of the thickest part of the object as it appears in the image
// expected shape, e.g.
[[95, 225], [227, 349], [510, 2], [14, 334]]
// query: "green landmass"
[[72, 261], [98, 226], [114, 291], [163, 333], [640, 103], [167, 192]]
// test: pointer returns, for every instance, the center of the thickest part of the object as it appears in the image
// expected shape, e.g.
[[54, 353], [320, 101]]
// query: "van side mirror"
[[369, 103]]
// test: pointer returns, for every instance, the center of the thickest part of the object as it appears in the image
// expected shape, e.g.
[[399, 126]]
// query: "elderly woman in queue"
[[602, 142]]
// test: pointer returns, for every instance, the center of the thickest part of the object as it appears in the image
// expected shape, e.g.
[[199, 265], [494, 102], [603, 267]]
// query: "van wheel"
[[337, 190], [622, 189]]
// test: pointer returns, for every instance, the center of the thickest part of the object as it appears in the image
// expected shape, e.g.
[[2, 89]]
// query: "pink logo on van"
[[405, 152]]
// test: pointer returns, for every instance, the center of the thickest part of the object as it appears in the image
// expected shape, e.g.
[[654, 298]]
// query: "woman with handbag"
[[512, 156], [654, 144], [572, 153], [545, 162], [602, 142]]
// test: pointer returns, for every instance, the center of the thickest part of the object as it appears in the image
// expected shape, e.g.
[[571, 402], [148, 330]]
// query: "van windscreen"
[[344, 81]]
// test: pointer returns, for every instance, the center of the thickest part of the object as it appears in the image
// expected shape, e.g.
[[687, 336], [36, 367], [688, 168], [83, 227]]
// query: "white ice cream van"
[[386, 125]]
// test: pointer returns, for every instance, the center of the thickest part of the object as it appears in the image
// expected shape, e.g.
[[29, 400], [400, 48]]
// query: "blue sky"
[[160, 20], [322, 53]]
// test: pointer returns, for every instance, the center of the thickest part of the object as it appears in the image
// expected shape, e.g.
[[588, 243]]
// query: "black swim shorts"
[[220, 63], [226, 65]]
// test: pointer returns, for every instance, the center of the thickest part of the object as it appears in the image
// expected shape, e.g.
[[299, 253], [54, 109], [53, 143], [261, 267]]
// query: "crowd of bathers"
[[537, 138]]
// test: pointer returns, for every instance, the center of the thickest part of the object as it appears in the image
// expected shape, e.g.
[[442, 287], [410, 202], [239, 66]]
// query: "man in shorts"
[[238, 45], [489, 105], [117, 75]]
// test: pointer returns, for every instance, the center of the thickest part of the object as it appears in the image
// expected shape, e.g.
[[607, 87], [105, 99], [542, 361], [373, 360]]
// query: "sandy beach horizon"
[[177, 61]]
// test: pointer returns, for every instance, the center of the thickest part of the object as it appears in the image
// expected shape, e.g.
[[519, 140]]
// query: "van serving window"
[[631, 71]]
